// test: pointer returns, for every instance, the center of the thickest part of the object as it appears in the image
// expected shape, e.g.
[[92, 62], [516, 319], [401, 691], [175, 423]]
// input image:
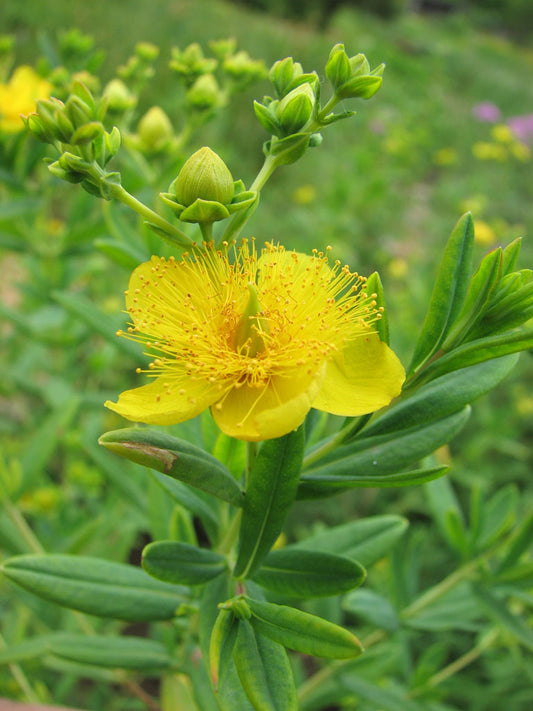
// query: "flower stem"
[[174, 234]]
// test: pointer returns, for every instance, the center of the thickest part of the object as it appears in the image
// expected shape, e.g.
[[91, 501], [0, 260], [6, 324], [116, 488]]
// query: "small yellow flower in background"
[[304, 195], [445, 156], [397, 268], [520, 151], [489, 151], [502, 133], [258, 338], [19, 95], [484, 234]]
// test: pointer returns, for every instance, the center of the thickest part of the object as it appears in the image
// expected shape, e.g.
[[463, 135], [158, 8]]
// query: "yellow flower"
[[19, 96], [502, 133], [445, 156], [484, 234], [260, 339]]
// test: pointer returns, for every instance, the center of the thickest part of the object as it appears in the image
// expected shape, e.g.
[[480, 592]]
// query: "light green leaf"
[[98, 587], [124, 254], [181, 563], [269, 497], [264, 671], [135, 653], [305, 573], [366, 540], [500, 612], [372, 608], [303, 632], [521, 542], [175, 458], [392, 699]]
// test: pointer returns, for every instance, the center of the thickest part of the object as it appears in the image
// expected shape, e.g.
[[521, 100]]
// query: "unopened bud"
[[119, 97], [204, 176], [155, 129], [204, 93], [295, 109]]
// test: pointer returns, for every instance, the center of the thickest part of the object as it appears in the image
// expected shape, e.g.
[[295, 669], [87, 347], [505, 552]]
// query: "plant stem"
[[174, 234], [226, 544], [21, 678], [268, 167], [22, 527], [458, 664]]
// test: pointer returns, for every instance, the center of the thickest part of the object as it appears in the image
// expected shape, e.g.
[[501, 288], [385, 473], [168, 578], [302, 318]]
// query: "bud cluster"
[[75, 128], [296, 115]]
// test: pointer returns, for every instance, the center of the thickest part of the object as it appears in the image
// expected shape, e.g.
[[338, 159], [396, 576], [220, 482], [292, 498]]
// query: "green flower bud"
[[283, 74], [338, 67], [242, 68], [78, 111], [296, 108], [204, 176], [87, 133], [119, 97], [155, 129], [191, 63], [224, 47], [146, 51], [204, 93]]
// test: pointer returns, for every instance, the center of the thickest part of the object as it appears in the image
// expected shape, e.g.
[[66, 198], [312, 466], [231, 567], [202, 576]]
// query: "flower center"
[[248, 338]]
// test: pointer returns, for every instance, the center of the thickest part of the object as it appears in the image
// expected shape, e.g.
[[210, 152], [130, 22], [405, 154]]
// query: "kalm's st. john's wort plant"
[[261, 339]]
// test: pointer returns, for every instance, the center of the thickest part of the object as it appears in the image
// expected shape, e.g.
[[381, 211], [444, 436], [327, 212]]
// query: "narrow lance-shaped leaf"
[[181, 563], [305, 573], [264, 671], [269, 496], [221, 643], [98, 587], [176, 458], [449, 292], [303, 632], [499, 611]]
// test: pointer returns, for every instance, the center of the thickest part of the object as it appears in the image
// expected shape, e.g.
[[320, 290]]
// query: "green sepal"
[[204, 211], [449, 293], [381, 326], [264, 671], [359, 87], [175, 458], [112, 652], [288, 150], [87, 133], [333, 118], [221, 644], [303, 632], [269, 496], [338, 68], [378, 456], [305, 573], [181, 563], [95, 586], [267, 118]]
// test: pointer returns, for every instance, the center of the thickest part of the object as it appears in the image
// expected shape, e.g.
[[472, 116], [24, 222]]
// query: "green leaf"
[[175, 458], [305, 573], [264, 671], [181, 563], [97, 321], [510, 256], [521, 542], [98, 587], [378, 456], [372, 608], [221, 644], [192, 501], [478, 351], [303, 632], [442, 396], [21, 652], [457, 609], [126, 255], [392, 699], [498, 515], [269, 497], [20, 207], [500, 612], [449, 292], [135, 653], [366, 540], [480, 290]]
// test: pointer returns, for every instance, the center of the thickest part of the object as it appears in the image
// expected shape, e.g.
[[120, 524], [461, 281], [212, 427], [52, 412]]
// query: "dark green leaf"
[[269, 497], [521, 542], [303, 632], [264, 671], [176, 458], [498, 515], [500, 612], [136, 653], [366, 540], [181, 563], [457, 609], [380, 455], [372, 608], [125, 255], [449, 292], [98, 587], [392, 699], [305, 573]]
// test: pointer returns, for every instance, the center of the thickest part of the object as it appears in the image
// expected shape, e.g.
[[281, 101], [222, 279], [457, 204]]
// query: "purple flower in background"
[[486, 111], [522, 127]]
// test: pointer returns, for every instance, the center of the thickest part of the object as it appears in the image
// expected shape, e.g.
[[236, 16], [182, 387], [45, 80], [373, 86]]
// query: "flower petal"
[[255, 414], [165, 403], [366, 376]]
